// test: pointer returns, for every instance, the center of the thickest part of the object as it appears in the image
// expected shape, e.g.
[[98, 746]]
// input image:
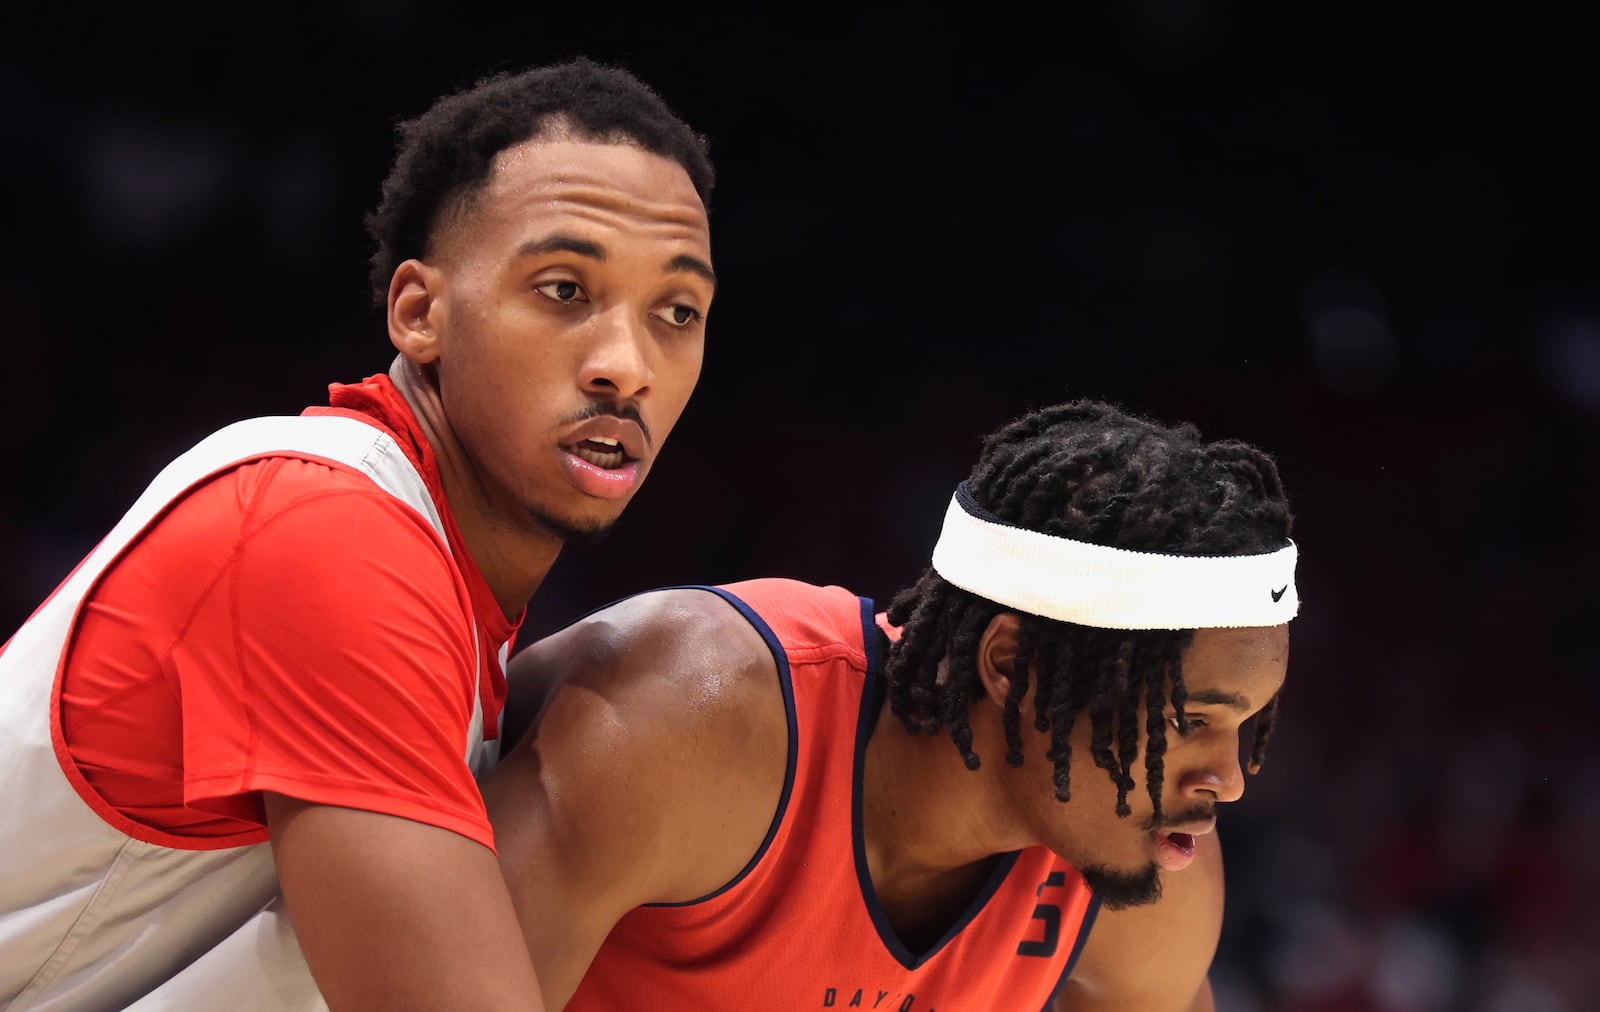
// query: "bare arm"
[[393, 914], [651, 773], [1155, 958]]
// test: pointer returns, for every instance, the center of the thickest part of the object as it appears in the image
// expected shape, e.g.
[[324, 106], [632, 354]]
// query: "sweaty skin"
[[655, 761]]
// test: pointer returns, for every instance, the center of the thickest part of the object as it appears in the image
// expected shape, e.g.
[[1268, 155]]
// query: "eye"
[[1187, 726], [564, 292], [679, 315]]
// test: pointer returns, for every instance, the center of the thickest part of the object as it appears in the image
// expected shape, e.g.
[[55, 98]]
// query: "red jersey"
[[801, 926], [290, 626]]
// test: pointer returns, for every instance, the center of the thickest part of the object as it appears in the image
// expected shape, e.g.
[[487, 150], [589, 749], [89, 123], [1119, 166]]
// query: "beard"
[[572, 531], [1119, 890]]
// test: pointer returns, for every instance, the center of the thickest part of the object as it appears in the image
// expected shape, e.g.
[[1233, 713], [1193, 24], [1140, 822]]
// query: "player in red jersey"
[[279, 668], [737, 797]]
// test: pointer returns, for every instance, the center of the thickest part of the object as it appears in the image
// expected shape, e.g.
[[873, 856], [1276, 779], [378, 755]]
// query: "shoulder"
[[353, 555], [247, 501], [295, 513], [658, 721], [302, 540], [293, 561], [661, 660], [720, 646]]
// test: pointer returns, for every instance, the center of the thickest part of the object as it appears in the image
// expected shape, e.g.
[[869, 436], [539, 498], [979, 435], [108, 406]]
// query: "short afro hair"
[[446, 154]]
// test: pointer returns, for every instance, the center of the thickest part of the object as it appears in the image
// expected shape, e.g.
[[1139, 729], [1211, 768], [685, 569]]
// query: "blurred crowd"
[[1362, 250]]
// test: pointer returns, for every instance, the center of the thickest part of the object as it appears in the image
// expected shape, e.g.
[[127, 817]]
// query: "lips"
[[606, 441], [601, 456], [1175, 845]]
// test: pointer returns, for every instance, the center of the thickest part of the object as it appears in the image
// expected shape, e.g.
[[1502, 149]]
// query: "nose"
[[617, 360], [1218, 777]]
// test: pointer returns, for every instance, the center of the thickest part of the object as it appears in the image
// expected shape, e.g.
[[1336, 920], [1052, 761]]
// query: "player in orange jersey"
[[738, 797]]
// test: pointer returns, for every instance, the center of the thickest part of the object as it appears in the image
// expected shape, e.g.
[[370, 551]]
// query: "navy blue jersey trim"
[[873, 693], [1089, 915], [781, 657]]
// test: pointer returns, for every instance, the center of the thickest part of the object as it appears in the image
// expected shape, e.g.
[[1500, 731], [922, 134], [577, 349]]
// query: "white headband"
[[1110, 588]]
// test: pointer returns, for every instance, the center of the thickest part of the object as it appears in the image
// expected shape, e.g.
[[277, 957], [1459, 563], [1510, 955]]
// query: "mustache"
[[1197, 814], [628, 411]]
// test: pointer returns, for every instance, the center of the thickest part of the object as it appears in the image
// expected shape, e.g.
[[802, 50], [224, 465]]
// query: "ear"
[[997, 656], [415, 305]]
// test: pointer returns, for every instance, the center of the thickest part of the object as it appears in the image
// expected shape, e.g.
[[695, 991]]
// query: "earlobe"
[[997, 656], [414, 304]]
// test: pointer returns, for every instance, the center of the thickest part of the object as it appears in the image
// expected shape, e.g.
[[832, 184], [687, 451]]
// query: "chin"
[[1119, 890], [573, 529]]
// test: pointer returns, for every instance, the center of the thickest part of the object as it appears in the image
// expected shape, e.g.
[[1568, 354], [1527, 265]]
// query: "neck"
[[929, 823], [510, 550]]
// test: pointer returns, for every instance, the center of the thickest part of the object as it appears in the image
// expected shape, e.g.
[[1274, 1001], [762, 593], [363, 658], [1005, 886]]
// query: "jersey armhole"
[[785, 681]]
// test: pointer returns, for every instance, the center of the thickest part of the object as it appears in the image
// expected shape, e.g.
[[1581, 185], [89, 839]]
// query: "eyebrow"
[[1215, 697], [691, 264], [559, 243]]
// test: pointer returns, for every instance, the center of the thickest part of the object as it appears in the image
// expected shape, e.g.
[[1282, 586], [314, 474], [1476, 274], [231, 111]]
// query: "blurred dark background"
[[1361, 238]]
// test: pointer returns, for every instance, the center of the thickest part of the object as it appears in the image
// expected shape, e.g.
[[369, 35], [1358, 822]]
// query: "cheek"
[[1094, 793], [499, 410], [685, 366], [502, 331], [504, 359]]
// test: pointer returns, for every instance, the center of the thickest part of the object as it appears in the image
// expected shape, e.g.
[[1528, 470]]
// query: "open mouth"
[[1172, 850], [601, 452]]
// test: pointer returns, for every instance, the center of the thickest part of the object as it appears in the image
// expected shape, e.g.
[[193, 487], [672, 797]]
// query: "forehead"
[[561, 183], [1250, 663]]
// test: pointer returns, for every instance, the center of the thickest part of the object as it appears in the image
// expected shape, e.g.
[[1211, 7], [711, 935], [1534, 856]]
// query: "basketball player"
[[277, 670], [739, 797]]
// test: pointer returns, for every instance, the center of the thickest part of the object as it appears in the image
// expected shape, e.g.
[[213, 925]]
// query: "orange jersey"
[[801, 927]]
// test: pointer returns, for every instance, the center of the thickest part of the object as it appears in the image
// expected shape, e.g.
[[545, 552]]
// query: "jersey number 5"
[[1050, 914]]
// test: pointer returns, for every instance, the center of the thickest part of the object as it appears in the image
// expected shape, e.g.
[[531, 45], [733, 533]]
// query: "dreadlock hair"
[[1090, 472], [446, 154]]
